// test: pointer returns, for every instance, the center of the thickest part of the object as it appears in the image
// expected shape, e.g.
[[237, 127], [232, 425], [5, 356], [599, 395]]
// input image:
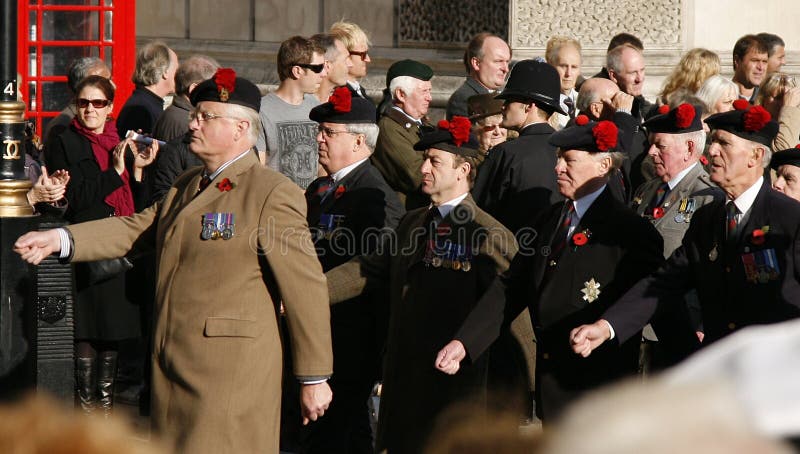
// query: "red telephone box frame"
[[122, 43]]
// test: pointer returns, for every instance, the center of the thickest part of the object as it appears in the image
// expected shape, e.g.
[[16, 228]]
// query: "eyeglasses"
[[329, 133], [205, 116], [83, 103], [316, 68], [363, 54]]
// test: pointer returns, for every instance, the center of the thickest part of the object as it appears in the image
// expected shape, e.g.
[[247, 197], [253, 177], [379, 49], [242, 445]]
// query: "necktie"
[[732, 221], [560, 237], [432, 217], [570, 107], [325, 186], [204, 182]]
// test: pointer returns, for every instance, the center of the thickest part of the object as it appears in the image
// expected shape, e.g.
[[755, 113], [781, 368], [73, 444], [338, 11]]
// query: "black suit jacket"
[[716, 269], [622, 248], [518, 180]]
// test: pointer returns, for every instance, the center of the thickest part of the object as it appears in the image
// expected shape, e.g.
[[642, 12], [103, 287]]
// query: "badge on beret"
[[225, 78]]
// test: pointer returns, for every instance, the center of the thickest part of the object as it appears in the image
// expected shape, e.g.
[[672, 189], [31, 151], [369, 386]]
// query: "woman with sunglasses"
[[101, 185]]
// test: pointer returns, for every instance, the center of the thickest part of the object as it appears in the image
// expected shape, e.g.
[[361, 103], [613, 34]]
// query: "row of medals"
[[217, 225], [451, 262]]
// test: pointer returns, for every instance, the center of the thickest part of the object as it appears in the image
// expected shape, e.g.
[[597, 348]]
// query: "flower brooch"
[[581, 238], [225, 185]]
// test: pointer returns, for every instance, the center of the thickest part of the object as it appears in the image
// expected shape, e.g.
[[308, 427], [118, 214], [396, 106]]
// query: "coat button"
[[731, 326], [545, 356], [727, 269]]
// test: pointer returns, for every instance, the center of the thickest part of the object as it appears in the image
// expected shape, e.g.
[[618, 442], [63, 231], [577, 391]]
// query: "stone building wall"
[[245, 34]]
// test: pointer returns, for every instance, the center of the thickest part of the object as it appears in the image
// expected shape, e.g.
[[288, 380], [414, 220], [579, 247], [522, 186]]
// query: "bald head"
[[593, 92]]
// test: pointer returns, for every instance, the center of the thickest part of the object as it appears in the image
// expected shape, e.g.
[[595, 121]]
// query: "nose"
[[652, 151], [426, 166], [779, 184], [560, 166], [713, 150], [319, 137], [194, 123]]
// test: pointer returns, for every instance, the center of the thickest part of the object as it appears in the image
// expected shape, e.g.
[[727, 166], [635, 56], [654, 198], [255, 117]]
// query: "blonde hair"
[[695, 67], [777, 83], [350, 34], [554, 46]]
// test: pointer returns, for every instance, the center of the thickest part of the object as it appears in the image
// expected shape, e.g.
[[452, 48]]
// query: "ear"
[[613, 76], [296, 72], [361, 139], [465, 168], [241, 128], [605, 166], [192, 87], [596, 109], [691, 149], [758, 156], [475, 64], [399, 95]]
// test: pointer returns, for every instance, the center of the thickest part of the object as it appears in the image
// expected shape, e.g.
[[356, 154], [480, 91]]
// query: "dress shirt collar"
[[225, 165], [583, 204], [745, 200], [415, 120], [674, 182], [341, 173], [355, 85], [446, 207]]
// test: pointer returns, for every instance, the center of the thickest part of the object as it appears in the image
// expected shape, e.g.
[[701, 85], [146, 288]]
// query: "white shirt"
[[341, 173], [581, 206], [674, 182], [356, 87], [415, 120]]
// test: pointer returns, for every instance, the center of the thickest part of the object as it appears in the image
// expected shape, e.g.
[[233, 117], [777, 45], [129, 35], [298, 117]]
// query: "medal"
[[466, 266], [680, 218], [436, 262], [713, 254]]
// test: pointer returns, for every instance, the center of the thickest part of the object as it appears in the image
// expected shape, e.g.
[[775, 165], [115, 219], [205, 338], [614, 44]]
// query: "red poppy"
[[605, 135], [579, 239], [658, 213], [684, 115], [225, 78], [341, 99], [339, 191], [225, 185], [581, 120], [756, 118], [459, 128], [662, 109], [703, 160], [741, 104], [758, 237]]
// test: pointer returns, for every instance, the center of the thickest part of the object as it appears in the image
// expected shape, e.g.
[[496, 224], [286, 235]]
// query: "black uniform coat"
[[622, 248], [102, 311], [369, 211], [427, 305], [715, 268], [517, 181]]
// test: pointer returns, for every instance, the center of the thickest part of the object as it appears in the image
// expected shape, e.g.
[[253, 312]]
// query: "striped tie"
[[732, 224]]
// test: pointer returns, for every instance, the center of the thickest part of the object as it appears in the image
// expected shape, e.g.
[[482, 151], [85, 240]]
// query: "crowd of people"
[[287, 256]]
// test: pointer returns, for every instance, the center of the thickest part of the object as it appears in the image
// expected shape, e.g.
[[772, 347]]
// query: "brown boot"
[[107, 371], [84, 381]]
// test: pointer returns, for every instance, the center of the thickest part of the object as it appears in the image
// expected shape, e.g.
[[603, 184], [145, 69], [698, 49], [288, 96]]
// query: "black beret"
[[443, 137], [342, 107], [748, 122], [410, 68], [786, 157], [482, 106], [587, 135], [682, 119], [226, 87], [536, 81]]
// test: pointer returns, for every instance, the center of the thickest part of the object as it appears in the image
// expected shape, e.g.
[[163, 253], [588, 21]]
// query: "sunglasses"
[[83, 103], [362, 54], [316, 68]]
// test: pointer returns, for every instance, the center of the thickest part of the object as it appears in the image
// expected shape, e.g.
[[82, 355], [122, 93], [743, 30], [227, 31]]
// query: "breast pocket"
[[230, 327]]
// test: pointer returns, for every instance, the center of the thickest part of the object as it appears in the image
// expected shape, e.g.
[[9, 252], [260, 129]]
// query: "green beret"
[[410, 68]]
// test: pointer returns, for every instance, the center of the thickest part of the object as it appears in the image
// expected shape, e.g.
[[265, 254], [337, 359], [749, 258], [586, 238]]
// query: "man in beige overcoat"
[[233, 253]]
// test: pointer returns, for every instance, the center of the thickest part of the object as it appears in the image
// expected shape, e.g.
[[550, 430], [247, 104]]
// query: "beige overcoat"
[[217, 349]]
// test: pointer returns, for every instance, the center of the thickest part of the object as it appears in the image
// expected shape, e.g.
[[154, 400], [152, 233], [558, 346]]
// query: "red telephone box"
[[52, 33]]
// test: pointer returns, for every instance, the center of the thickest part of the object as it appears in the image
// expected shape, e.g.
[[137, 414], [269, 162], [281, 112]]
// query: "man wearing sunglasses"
[[357, 43], [287, 142]]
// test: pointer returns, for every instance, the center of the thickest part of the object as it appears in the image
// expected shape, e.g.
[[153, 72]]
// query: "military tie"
[[560, 237], [732, 221], [432, 218], [324, 186], [204, 182]]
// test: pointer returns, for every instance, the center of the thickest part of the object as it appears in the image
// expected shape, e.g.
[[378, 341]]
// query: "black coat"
[[173, 159], [518, 179], [622, 248], [141, 111], [715, 268], [102, 310]]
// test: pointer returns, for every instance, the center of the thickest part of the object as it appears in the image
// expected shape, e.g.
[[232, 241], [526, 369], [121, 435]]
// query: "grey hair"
[[767, 153], [194, 69], [251, 116], [406, 84], [713, 89], [617, 158], [614, 57], [79, 69], [698, 137], [152, 62], [585, 99], [328, 42], [370, 131]]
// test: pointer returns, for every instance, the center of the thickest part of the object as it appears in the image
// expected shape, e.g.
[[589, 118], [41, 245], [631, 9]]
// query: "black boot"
[[105, 380], [84, 380]]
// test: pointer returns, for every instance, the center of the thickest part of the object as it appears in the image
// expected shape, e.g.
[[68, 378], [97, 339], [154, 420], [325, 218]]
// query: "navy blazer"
[[729, 295]]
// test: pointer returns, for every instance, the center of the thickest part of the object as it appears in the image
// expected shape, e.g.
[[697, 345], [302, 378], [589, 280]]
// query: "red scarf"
[[121, 199]]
